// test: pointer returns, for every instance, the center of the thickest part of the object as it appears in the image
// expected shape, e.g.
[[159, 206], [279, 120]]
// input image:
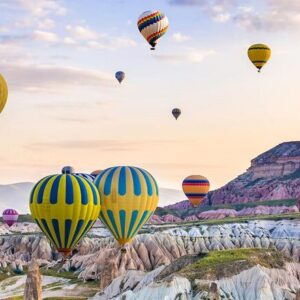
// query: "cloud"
[[103, 145], [81, 33], [46, 24], [266, 15], [278, 15], [191, 55], [42, 8], [219, 10], [84, 37], [45, 36], [36, 78], [178, 37]]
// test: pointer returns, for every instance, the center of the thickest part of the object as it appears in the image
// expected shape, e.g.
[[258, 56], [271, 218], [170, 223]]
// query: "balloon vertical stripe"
[[128, 196], [64, 207]]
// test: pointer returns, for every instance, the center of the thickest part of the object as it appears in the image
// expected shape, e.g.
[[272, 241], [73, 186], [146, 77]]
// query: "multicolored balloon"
[[3, 92], [65, 207], [259, 54], [88, 177], [176, 112], [153, 25], [96, 172], [10, 216], [129, 196], [195, 188], [120, 76]]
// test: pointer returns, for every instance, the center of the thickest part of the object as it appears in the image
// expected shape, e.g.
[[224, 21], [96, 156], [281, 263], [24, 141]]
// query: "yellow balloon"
[[259, 54], [3, 92], [129, 196], [65, 207]]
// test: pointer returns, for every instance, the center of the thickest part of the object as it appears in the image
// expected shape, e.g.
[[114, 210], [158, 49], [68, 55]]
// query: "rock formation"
[[33, 285], [273, 175]]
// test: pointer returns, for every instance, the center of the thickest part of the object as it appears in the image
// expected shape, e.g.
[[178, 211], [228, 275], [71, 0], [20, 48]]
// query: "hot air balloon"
[[10, 216], [120, 76], [3, 92], [129, 196], [153, 25], [65, 207], [176, 112], [88, 177], [96, 172], [259, 55], [195, 188]]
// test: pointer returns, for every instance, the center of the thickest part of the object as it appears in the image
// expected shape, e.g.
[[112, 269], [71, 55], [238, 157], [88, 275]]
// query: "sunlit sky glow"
[[66, 108]]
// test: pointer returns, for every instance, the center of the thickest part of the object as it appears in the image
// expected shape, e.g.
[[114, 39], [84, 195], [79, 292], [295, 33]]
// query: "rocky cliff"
[[273, 175]]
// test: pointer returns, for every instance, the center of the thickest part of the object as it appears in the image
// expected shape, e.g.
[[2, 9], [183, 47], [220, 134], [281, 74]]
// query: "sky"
[[66, 108]]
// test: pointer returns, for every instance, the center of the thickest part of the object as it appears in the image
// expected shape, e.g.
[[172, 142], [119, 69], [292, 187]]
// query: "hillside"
[[272, 176]]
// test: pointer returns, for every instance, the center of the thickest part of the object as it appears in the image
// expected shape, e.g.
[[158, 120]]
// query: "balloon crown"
[[67, 170]]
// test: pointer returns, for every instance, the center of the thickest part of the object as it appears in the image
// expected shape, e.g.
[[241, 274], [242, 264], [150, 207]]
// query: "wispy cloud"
[[36, 78], [45, 36], [267, 15], [178, 37], [190, 55], [103, 145]]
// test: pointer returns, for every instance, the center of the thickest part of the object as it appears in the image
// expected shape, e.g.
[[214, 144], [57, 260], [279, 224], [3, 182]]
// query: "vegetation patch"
[[220, 264]]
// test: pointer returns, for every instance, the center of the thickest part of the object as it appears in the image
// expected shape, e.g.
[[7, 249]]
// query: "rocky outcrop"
[[100, 258], [273, 175], [225, 213], [255, 283], [33, 284]]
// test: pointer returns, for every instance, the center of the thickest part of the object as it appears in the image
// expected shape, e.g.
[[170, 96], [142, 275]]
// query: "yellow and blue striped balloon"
[[65, 207], [129, 196]]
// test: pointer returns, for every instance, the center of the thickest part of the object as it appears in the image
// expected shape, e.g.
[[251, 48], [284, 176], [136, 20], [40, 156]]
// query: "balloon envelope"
[[86, 176], [65, 207], [10, 216], [129, 196], [176, 112], [120, 76], [153, 25], [259, 54], [3, 92], [195, 188]]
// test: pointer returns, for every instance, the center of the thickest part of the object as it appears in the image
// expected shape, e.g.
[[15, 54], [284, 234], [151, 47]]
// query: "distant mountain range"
[[17, 196]]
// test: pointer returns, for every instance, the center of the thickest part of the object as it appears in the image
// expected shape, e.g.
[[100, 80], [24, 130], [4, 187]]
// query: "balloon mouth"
[[65, 252]]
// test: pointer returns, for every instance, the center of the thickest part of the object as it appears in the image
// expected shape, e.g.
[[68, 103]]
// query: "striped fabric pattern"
[[153, 25], [65, 207], [195, 188], [10, 216], [3, 92], [88, 177], [259, 54], [129, 196]]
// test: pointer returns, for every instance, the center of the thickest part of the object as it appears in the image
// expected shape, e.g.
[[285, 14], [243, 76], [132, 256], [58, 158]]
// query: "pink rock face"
[[191, 218], [273, 175], [217, 214], [170, 219]]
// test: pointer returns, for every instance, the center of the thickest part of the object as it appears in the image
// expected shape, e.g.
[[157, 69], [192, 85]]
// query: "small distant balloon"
[[3, 92], [153, 25], [195, 188], [96, 172], [176, 112], [259, 54], [10, 216], [120, 76], [67, 170]]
